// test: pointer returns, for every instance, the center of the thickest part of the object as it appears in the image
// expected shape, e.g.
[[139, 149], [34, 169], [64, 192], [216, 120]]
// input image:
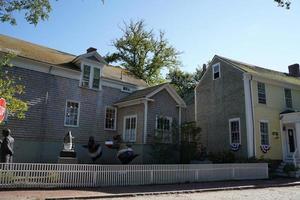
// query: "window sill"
[[107, 129], [129, 92], [71, 126], [92, 89]]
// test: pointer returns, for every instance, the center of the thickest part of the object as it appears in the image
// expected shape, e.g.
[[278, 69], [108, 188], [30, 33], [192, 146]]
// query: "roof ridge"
[[250, 65]]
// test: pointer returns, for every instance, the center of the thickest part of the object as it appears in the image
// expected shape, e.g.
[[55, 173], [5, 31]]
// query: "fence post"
[[151, 176], [233, 172], [94, 178]]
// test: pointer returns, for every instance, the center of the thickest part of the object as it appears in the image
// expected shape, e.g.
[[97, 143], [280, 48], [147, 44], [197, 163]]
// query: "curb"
[[178, 192]]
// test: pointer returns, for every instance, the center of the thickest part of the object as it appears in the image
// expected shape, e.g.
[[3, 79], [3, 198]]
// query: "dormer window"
[[90, 77], [86, 76], [216, 71], [126, 89], [96, 78]]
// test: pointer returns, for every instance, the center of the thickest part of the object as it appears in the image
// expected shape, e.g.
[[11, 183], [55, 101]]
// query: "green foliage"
[[284, 3], [222, 157], [190, 132], [34, 10], [184, 82], [143, 53], [10, 90], [166, 151], [188, 152], [289, 167]]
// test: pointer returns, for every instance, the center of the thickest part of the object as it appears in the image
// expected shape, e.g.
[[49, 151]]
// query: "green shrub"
[[290, 168], [222, 157]]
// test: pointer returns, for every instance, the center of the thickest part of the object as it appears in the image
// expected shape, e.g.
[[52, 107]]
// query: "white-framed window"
[[96, 78], [288, 98], [130, 127], [110, 118], [216, 71], [164, 128], [86, 72], [264, 132], [235, 131], [90, 77], [261, 92], [72, 112]]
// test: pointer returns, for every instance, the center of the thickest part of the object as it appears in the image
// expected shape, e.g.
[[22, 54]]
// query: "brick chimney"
[[91, 49], [294, 70]]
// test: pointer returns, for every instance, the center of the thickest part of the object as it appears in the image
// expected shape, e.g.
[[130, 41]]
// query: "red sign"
[[2, 109]]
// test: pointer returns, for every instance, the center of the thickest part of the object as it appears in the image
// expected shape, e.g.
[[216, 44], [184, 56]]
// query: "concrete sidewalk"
[[129, 191]]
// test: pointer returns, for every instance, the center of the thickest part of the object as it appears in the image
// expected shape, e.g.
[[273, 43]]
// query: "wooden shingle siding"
[[47, 95], [163, 105], [218, 101]]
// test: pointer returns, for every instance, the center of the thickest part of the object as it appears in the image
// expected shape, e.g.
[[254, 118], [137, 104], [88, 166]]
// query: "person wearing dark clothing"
[[7, 146]]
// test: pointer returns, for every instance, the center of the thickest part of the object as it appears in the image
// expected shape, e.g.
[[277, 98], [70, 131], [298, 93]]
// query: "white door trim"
[[124, 127]]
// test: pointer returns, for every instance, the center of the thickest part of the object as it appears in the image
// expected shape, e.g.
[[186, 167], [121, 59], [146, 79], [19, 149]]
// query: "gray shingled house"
[[85, 95], [249, 110]]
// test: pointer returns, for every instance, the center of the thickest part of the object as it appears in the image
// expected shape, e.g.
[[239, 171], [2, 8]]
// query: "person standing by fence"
[[7, 146]]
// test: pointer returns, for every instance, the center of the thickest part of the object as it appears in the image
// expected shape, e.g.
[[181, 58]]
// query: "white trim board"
[[249, 115]]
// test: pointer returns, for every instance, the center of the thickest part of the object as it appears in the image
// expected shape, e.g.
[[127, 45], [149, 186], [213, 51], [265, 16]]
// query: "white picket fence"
[[32, 175]]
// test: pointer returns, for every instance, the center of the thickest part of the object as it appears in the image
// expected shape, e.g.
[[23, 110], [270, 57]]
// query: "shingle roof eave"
[[139, 94], [28, 50]]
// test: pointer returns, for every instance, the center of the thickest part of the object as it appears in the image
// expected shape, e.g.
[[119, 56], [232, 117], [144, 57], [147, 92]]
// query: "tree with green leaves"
[[34, 10], [284, 3], [184, 82], [144, 54], [10, 90]]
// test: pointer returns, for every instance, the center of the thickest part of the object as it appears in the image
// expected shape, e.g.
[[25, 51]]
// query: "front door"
[[291, 142]]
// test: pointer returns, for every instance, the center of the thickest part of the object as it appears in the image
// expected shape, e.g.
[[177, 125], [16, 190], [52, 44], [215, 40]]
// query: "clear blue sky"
[[253, 31]]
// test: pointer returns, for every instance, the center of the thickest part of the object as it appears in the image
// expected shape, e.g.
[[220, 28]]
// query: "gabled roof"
[[36, 52], [151, 91], [262, 72], [123, 75], [62, 59]]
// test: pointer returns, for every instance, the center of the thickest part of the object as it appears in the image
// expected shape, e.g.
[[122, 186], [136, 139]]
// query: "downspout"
[[145, 121], [179, 124]]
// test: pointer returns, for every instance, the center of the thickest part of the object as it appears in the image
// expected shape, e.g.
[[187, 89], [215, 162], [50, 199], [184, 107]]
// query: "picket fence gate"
[[33, 175]]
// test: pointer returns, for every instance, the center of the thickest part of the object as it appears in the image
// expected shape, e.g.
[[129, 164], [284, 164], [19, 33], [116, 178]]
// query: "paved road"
[[280, 193]]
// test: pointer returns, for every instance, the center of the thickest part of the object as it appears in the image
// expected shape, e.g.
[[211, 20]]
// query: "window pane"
[[235, 132], [216, 71], [96, 78], [164, 129], [130, 129], [261, 93], [110, 118], [86, 75], [288, 98], [72, 112], [264, 133]]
